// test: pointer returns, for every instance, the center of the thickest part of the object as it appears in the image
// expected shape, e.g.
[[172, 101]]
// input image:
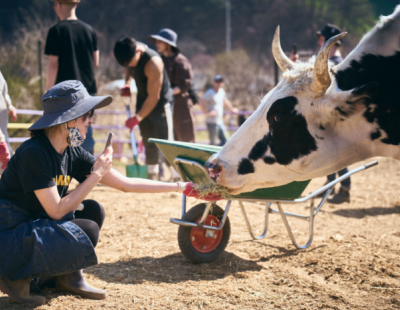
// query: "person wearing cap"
[[71, 46], [327, 32], [153, 94], [45, 234], [180, 76], [212, 103]]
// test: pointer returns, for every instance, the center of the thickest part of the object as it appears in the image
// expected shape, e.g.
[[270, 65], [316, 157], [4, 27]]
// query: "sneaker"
[[342, 196]]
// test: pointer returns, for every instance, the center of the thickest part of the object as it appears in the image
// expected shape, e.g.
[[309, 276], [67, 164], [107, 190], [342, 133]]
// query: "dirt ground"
[[352, 263]]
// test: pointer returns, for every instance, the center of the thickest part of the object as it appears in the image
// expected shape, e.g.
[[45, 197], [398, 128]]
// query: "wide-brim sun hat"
[[166, 35], [65, 102]]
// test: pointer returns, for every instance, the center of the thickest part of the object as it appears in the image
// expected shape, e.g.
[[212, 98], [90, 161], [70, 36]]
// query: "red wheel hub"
[[200, 241]]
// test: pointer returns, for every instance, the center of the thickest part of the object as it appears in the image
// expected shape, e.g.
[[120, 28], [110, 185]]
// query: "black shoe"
[[342, 196], [324, 192]]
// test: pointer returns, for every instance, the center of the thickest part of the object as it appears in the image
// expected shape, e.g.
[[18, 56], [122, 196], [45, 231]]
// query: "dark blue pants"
[[346, 182]]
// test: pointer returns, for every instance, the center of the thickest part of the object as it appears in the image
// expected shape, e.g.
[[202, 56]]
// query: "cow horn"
[[321, 79], [281, 59]]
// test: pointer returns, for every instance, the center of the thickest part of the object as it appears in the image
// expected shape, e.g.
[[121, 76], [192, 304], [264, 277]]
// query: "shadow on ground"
[[6, 303], [171, 268], [374, 211]]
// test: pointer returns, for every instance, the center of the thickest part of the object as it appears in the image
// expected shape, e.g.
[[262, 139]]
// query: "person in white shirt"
[[212, 103]]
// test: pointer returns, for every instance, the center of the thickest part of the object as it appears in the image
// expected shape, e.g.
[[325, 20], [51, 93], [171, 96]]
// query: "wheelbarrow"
[[204, 230]]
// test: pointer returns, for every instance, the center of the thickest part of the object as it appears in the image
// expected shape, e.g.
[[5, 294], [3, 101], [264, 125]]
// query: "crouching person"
[[42, 235]]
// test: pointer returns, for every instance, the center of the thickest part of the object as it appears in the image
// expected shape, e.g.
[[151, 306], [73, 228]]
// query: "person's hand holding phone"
[[103, 163]]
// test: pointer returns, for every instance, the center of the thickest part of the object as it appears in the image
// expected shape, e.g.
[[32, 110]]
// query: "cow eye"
[[278, 117]]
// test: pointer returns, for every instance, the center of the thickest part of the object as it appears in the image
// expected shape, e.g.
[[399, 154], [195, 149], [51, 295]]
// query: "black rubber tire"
[[185, 244]]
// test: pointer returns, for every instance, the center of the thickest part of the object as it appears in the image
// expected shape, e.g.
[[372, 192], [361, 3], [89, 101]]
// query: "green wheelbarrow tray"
[[201, 153]]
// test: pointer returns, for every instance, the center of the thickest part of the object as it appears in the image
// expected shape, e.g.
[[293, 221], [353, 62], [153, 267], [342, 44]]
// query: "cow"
[[320, 118]]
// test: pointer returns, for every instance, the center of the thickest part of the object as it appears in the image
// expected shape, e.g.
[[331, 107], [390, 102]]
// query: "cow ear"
[[358, 101]]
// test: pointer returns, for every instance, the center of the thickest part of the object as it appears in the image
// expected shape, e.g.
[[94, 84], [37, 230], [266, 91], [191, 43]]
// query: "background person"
[[73, 54], [327, 32], [6, 108], [4, 153], [153, 93], [39, 224], [180, 75], [212, 103]]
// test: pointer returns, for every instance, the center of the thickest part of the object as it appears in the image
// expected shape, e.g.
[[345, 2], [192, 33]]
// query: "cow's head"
[[304, 127]]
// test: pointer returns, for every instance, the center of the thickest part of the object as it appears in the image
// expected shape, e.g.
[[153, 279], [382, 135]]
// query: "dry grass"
[[205, 188]]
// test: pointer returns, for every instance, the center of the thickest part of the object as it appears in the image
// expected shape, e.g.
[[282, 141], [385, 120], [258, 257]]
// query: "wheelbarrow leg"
[[267, 206], [289, 230], [183, 205]]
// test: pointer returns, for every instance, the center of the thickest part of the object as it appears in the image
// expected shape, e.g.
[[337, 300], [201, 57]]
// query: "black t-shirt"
[[73, 42], [141, 83], [37, 165]]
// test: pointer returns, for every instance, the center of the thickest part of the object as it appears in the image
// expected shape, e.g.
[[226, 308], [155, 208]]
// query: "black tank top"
[[141, 83]]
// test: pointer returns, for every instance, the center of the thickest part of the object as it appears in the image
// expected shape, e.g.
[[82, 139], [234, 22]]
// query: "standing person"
[[327, 32], [73, 54], [6, 108], [154, 92], [212, 103], [43, 232], [180, 75]]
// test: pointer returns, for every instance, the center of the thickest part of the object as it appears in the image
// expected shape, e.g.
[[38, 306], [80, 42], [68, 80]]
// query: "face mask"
[[75, 138]]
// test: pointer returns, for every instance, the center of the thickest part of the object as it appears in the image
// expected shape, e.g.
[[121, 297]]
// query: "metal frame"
[[284, 215]]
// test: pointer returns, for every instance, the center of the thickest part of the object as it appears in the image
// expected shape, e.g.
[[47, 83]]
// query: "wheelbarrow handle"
[[371, 164]]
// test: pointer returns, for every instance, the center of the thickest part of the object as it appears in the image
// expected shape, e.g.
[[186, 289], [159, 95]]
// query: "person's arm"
[[120, 182], [203, 105], [56, 207], [228, 105], [154, 73], [96, 58], [182, 78], [52, 69]]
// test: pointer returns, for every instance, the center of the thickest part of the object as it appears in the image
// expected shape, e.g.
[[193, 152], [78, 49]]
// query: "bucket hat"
[[67, 1], [166, 35], [329, 31], [67, 101]]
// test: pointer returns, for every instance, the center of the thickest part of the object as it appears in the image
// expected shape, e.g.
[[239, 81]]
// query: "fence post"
[[40, 69]]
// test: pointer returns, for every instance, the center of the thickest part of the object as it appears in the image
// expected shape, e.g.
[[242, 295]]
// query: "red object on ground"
[[198, 238], [131, 122], [4, 155], [191, 192], [126, 91]]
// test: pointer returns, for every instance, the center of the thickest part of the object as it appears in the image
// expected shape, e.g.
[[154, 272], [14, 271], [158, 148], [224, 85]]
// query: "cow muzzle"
[[213, 168]]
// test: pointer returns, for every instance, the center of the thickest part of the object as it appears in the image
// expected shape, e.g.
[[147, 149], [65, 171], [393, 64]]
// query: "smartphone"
[[109, 139]]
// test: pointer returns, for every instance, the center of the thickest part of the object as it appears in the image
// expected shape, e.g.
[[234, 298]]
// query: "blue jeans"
[[345, 183], [32, 246], [217, 131]]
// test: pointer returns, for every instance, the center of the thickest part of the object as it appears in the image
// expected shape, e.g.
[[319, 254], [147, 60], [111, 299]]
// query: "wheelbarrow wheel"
[[193, 242]]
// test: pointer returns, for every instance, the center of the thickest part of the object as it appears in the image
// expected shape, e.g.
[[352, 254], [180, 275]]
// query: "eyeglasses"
[[89, 115]]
